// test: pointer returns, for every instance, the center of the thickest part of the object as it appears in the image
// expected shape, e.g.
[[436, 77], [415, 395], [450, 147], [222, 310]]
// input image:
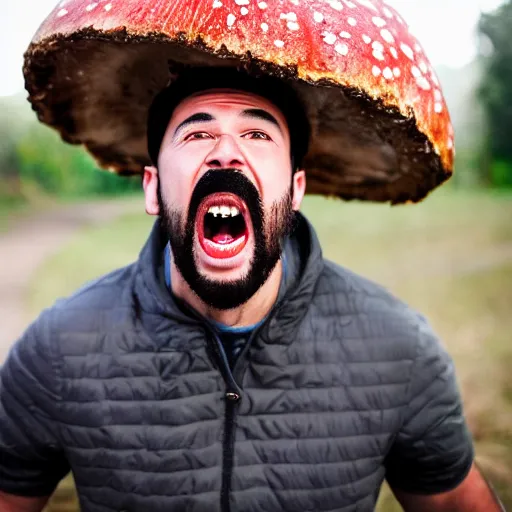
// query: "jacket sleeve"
[[433, 451], [31, 460]]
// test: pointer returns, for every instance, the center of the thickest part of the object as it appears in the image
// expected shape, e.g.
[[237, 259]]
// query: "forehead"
[[226, 101]]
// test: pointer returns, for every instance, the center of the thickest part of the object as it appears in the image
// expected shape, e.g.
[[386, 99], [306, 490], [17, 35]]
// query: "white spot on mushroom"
[[264, 27], [318, 17], [242, 2], [387, 36], [329, 37], [352, 21], [387, 13], [244, 11], [407, 51], [61, 13], [397, 72], [367, 39], [295, 2], [437, 95], [216, 4], [279, 43], [341, 48], [376, 71], [345, 35], [387, 73], [438, 107], [350, 5], [290, 16], [417, 47], [434, 78], [393, 52], [292, 25], [262, 5], [416, 73], [378, 22], [423, 67], [231, 20], [423, 83], [90, 7], [367, 3], [108, 7], [336, 4], [377, 45], [378, 55], [63, 3], [449, 144]]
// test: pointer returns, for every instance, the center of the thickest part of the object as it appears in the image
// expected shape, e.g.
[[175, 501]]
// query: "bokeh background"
[[64, 222]]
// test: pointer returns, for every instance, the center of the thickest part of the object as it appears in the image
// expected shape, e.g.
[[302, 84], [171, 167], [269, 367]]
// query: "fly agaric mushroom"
[[380, 126]]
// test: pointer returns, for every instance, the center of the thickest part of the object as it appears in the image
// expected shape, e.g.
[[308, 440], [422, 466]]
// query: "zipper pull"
[[233, 396]]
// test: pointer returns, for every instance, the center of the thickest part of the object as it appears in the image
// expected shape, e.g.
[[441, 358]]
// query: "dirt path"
[[29, 242]]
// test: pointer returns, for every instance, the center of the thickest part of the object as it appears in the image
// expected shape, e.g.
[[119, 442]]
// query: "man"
[[231, 367]]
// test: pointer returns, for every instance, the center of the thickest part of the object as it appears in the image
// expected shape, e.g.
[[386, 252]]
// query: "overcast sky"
[[446, 29]]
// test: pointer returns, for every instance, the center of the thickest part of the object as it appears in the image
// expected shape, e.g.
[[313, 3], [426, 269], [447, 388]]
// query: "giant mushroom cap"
[[381, 130]]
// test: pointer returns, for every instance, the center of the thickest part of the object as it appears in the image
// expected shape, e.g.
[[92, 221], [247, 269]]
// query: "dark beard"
[[269, 232]]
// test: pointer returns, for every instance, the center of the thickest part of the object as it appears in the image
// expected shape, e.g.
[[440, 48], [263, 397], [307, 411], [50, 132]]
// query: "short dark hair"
[[201, 79]]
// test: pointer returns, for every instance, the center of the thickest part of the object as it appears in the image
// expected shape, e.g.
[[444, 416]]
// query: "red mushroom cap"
[[381, 130]]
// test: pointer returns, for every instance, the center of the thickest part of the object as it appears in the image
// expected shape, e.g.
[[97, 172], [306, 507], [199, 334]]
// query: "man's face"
[[225, 193]]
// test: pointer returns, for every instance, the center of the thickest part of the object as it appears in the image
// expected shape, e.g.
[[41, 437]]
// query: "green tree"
[[496, 94], [64, 170], [12, 124]]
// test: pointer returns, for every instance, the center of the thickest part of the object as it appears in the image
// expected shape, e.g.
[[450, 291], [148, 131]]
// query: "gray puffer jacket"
[[341, 387]]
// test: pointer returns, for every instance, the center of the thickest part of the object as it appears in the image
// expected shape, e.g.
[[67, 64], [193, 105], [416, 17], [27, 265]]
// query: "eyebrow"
[[258, 113], [199, 117]]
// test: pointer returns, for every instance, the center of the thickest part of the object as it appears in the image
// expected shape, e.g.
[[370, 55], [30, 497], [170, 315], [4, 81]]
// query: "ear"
[[150, 185], [299, 188]]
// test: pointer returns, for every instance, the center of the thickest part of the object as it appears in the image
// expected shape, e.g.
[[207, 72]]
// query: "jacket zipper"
[[233, 395]]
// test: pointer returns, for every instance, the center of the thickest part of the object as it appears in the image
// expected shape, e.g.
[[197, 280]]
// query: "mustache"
[[228, 180]]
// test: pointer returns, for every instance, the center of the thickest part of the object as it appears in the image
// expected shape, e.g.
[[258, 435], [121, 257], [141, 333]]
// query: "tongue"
[[222, 237]]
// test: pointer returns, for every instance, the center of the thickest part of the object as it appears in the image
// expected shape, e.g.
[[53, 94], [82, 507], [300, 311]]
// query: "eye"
[[198, 136], [255, 134]]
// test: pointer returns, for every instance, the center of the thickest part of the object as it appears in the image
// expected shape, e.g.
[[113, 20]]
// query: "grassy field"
[[450, 257]]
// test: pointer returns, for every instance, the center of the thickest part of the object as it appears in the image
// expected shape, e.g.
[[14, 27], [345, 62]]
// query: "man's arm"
[[430, 466], [472, 495], [32, 461], [12, 503]]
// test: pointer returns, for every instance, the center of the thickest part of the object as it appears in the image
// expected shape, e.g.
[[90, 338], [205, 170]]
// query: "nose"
[[226, 153]]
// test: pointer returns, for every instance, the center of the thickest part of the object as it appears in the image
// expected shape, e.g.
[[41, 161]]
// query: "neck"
[[249, 313]]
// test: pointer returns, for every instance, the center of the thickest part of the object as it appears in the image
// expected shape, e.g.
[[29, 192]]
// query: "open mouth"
[[221, 225]]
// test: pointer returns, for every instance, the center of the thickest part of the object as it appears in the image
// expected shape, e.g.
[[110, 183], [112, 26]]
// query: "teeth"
[[224, 211]]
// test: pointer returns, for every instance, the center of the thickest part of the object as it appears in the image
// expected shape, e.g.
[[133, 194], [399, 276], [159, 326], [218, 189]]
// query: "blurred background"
[[63, 222]]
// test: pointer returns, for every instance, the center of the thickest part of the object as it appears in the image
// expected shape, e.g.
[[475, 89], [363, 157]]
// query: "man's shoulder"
[[87, 322], [91, 307], [362, 292], [106, 292], [383, 317]]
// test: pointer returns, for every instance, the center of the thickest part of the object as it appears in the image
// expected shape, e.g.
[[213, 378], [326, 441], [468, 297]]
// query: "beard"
[[270, 229]]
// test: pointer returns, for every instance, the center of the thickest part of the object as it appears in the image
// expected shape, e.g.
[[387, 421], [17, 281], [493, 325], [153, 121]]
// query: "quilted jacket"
[[342, 386]]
